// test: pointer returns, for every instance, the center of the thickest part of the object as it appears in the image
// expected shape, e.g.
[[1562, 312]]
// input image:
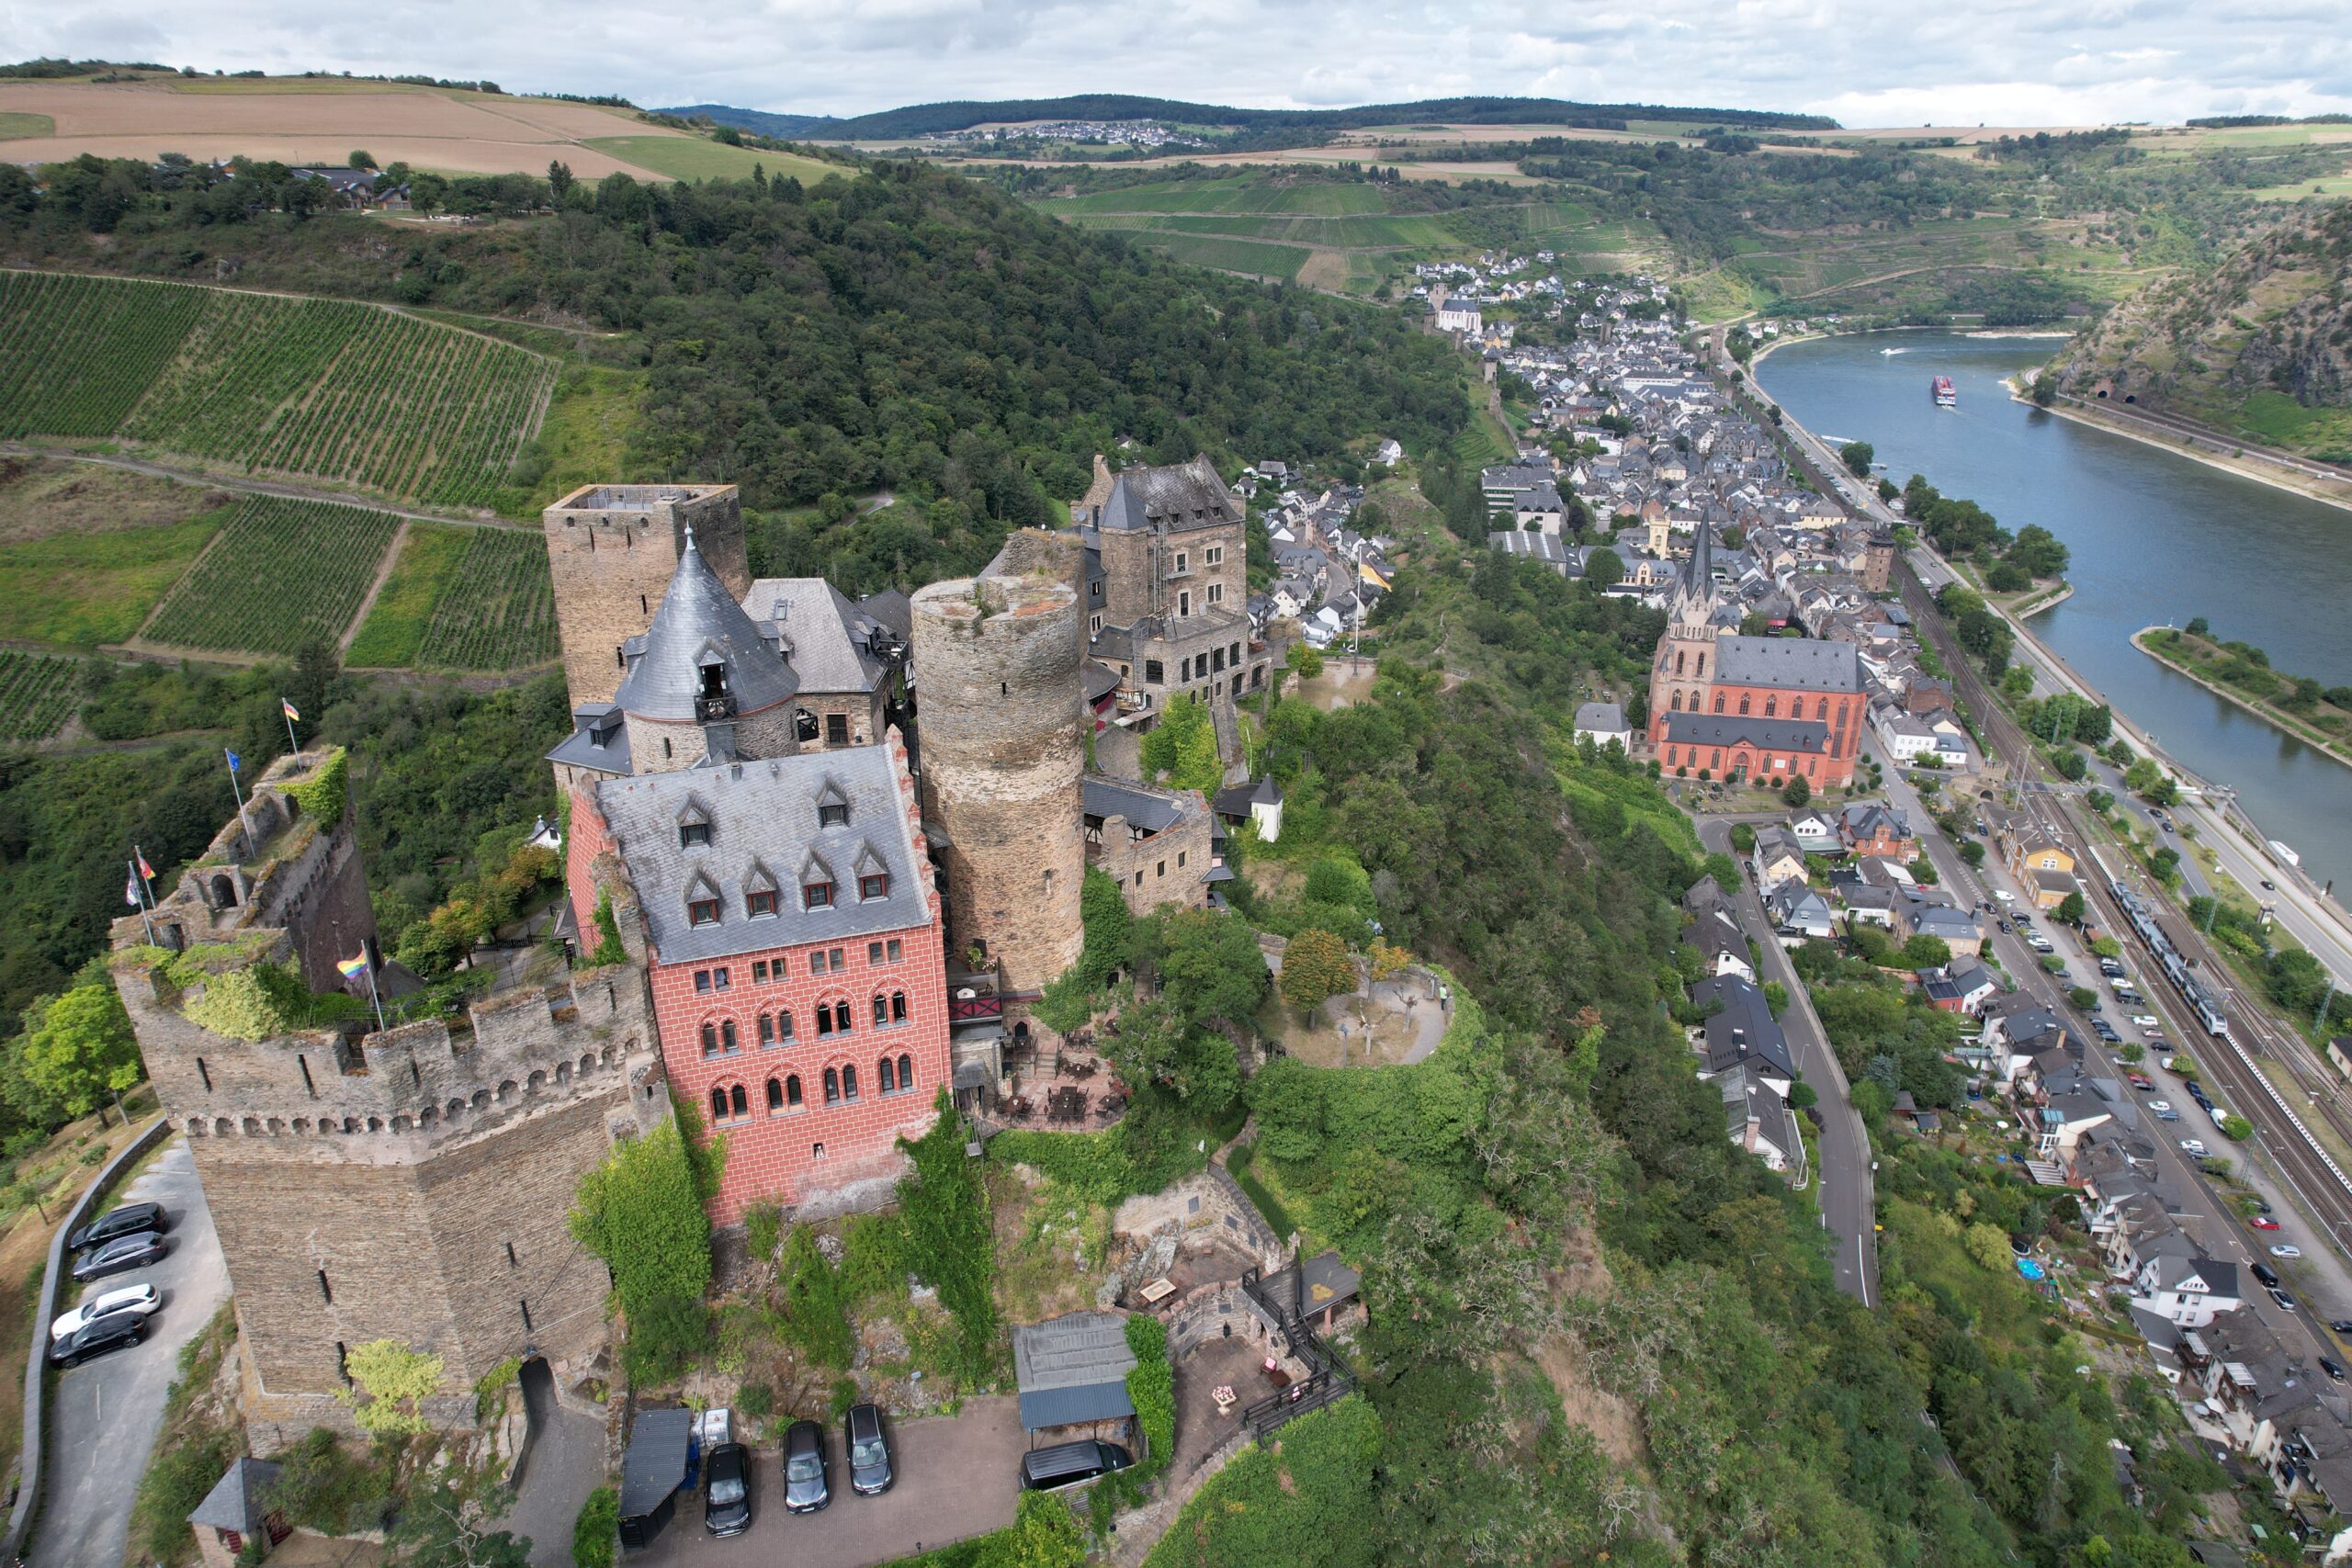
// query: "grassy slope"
[[85, 551], [583, 437], [693, 158], [394, 630]]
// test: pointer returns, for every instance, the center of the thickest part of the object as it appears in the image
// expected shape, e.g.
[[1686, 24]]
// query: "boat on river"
[[1947, 396]]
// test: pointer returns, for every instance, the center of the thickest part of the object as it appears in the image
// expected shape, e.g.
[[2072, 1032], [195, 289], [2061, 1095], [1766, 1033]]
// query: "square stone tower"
[[612, 550]]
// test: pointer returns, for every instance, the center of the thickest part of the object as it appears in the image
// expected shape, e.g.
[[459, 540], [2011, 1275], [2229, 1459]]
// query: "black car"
[[870, 1473], [2335, 1373], [124, 1252], [2267, 1275], [128, 1220], [727, 1497], [2341, 1324], [97, 1336], [804, 1468]]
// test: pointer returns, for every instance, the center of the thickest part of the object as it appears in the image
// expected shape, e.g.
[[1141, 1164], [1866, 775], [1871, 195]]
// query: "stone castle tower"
[[612, 550], [997, 666], [408, 1183]]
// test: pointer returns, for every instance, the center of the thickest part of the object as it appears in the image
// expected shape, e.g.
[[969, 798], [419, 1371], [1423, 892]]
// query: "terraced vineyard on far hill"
[[281, 573], [37, 694], [499, 613], [317, 387]]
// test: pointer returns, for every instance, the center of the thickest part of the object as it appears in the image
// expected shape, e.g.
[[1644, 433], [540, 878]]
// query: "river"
[[2155, 537]]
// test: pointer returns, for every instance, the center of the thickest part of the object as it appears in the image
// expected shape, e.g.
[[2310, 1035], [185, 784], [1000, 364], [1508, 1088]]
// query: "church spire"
[[1702, 564]]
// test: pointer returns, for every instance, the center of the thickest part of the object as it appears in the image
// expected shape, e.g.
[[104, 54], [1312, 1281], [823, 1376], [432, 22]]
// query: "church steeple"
[[1699, 577]]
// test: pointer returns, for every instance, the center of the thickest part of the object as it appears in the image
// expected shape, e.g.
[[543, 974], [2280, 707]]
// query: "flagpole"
[[374, 995], [292, 745], [235, 789], [146, 876], [146, 920]]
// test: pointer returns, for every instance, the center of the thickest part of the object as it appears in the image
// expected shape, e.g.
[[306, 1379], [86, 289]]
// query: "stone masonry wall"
[[1166, 868], [998, 663], [612, 550]]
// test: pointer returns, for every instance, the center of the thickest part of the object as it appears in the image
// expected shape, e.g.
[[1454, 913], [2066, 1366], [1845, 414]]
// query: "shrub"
[[762, 1228], [1151, 1386], [176, 1480], [2236, 1128], [595, 1536], [397, 1381], [816, 1317], [642, 1212], [950, 1240]]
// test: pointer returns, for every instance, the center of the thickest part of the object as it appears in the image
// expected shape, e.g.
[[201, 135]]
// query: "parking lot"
[[104, 1415], [956, 1478]]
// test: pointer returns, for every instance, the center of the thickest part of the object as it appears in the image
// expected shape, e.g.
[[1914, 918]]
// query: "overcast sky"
[[1869, 62]]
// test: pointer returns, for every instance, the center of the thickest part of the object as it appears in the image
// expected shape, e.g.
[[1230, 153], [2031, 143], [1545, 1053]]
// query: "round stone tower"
[[1001, 710]]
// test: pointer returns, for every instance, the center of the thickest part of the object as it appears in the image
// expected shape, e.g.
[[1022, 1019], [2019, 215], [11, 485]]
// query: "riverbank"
[[2277, 717], [2260, 469]]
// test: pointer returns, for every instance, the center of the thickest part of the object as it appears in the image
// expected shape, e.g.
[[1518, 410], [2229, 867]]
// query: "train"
[[2203, 999]]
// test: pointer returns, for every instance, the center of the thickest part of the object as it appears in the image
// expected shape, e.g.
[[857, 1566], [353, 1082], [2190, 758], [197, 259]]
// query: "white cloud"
[[1866, 61]]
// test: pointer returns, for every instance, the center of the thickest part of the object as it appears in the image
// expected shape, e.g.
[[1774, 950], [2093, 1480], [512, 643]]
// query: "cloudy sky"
[[1869, 62]]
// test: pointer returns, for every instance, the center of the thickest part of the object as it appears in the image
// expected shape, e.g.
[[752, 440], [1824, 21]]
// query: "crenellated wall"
[[612, 550]]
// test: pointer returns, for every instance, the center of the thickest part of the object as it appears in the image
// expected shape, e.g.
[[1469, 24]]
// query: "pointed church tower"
[[1680, 679]]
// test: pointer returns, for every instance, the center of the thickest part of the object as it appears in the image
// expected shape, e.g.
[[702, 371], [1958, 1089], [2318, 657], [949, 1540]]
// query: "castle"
[[409, 1182], [1759, 708]]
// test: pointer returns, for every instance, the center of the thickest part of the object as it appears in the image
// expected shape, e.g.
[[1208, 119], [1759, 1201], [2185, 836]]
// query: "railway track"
[[2228, 1065]]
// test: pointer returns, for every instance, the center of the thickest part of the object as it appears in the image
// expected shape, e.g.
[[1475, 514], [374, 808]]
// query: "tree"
[[1603, 569], [1797, 791], [1925, 952], [1857, 457], [396, 1380], [2045, 389], [1316, 967], [2070, 909], [1043, 1534], [2236, 1128], [2199, 626], [560, 180], [363, 160], [1989, 1246], [78, 1048], [1303, 660], [2083, 996], [1923, 871], [1776, 998], [1211, 967], [1972, 851], [1183, 747], [448, 1524]]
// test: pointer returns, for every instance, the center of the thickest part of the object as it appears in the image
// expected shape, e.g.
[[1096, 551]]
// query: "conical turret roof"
[[699, 625]]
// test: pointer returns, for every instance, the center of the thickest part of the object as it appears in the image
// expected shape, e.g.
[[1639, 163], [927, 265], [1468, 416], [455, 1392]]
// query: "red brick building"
[[795, 948]]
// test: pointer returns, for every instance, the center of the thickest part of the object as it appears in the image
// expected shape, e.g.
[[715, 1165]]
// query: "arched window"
[[898, 1007], [1677, 662], [881, 1009], [711, 1040], [224, 892], [906, 1071], [784, 1025], [1771, 707], [887, 1075], [1743, 704], [824, 1019], [849, 1082], [792, 1090], [767, 1033], [1677, 700], [776, 1095], [1821, 710], [738, 1100], [833, 1087], [1701, 667], [726, 1036], [1719, 702], [717, 1103], [841, 1018]]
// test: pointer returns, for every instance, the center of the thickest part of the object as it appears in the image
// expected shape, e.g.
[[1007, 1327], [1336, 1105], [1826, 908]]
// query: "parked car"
[[2164, 1112], [2263, 1223], [2111, 967], [2286, 1303], [2141, 1080], [2004, 895], [2007, 928], [870, 1472], [2335, 1373], [2146, 1020], [97, 1336], [127, 1219], [124, 1252], [2193, 1146], [140, 1299], [726, 1497], [2160, 1105], [2040, 944], [2341, 1324], [804, 1491], [1065, 1464], [2285, 1250], [2266, 1274]]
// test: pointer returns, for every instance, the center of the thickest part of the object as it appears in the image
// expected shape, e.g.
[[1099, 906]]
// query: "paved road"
[[959, 1476], [565, 1463], [104, 1416], [2224, 1234], [1842, 1183]]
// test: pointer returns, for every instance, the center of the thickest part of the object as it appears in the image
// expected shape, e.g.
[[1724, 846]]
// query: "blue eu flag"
[[234, 761]]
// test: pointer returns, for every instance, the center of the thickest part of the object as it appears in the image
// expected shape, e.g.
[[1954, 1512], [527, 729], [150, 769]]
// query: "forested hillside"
[[903, 330], [2260, 343]]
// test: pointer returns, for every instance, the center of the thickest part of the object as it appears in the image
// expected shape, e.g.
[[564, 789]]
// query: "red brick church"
[[1759, 708]]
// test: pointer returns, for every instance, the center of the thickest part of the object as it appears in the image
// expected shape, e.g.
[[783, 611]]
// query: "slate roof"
[[1072, 1367], [764, 822], [1732, 729], [239, 1501], [893, 609], [1790, 663], [655, 1465], [1236, 800], [1182, 495], [1329, 1281], [598, 740], [1745, 1029], [825, 634], [700, 622], [1152, 810], [1608, 718]]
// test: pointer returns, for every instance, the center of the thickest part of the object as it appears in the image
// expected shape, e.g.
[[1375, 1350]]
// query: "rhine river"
[[2155, 537]]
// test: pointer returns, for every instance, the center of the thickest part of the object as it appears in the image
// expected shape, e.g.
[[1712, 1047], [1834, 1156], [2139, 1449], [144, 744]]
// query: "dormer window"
[[702, 911], [872, 873], [832, 806], [759, 903], [694, 835], [876, 885]]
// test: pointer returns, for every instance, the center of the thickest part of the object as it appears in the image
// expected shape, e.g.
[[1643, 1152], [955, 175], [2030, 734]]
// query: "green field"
[[15, 125], [81, 590], [1226, 256], [321, 387], [498, 612], [581, 441], [2281, 421], [695, 158], [281, 573], [1243, 194], [37, 694], [393, 632]]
